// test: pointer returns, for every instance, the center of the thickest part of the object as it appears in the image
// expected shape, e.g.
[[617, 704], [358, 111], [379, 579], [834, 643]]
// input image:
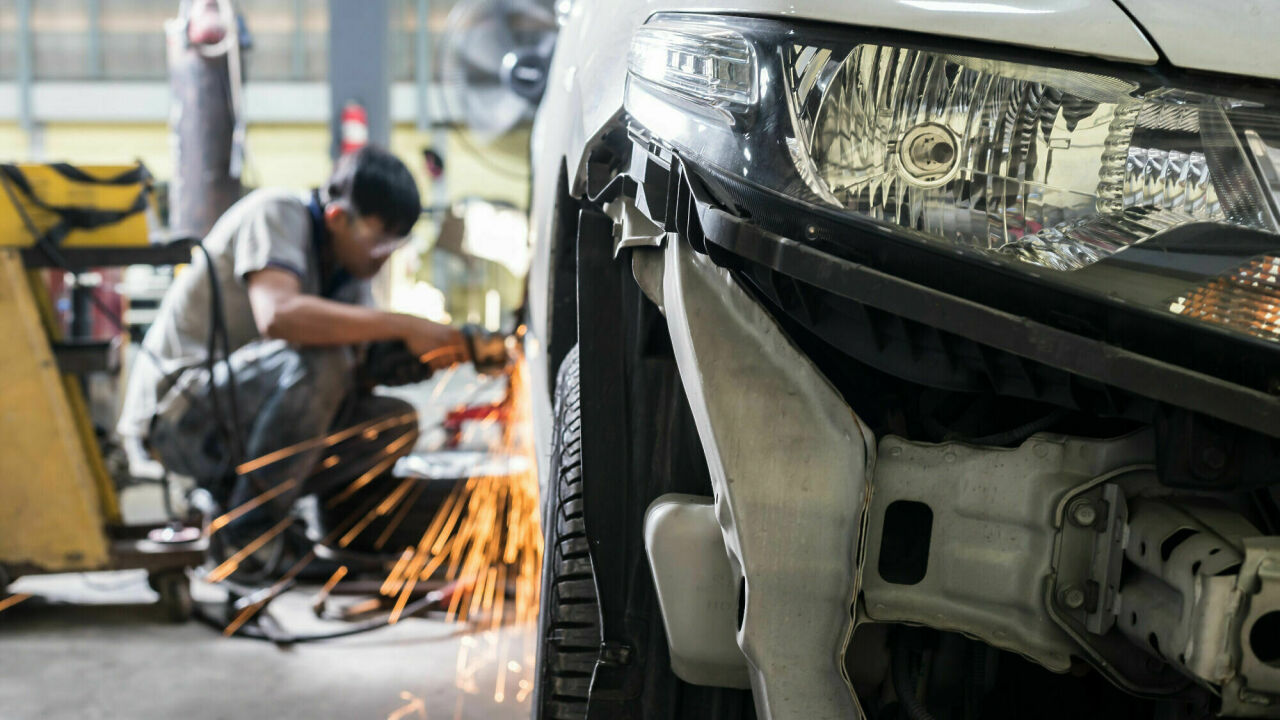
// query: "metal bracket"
[[1085, 596], [987, 518]]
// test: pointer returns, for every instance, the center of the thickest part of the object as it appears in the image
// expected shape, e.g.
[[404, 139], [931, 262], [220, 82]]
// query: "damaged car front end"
[[980, 349]]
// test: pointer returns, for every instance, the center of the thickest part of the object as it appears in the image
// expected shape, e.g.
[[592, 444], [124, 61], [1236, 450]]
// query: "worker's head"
[[370, 206]]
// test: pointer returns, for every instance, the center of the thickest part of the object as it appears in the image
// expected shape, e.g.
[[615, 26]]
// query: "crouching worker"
[[282, 293]]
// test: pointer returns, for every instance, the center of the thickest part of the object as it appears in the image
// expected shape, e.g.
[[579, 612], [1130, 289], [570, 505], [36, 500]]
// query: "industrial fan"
[[493, 61]]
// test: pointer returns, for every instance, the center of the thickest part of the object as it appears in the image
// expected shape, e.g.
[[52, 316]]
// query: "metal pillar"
[[203, 126], [360, 65], [428, 115], [93, 53], [26, 67], [423, 64], [299, 40]]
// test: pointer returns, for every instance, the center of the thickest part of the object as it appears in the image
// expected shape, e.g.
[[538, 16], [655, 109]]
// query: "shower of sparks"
[[369, 429], [281, 584], [344, 534], [393, 451], [486, 540]]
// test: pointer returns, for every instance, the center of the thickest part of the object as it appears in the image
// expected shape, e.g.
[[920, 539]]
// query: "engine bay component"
[[961, 538], [1175, 602], [1255, 690], [1068, 548], [1195, 595]]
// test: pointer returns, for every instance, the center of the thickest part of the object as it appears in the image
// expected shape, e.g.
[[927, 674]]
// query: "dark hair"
[[376, 183]]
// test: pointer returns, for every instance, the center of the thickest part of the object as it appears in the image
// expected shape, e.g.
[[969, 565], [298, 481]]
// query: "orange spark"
[[223, 520], [231, 564], [414, 706], [381, 509], [12, 600], [393, 452], [376, 425], [446, 350], [399, 517], [486, 538]]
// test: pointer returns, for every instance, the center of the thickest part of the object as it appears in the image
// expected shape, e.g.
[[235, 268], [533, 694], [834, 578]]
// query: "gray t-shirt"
[[266, 229]]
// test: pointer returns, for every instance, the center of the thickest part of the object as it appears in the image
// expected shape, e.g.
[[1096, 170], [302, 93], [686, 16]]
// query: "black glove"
[[488, 350], [389, 362]]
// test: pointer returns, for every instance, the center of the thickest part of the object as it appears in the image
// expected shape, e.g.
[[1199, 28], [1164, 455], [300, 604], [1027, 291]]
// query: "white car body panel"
[[1227, 36]]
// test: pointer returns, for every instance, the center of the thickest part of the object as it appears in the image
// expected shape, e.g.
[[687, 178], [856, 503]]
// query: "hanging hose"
[[904, 682]]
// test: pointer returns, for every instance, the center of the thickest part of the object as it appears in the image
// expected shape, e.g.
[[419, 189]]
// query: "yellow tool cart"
[[58, 505]]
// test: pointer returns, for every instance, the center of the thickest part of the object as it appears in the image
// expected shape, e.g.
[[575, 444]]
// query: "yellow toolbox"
[[74, 206], [58, 507]]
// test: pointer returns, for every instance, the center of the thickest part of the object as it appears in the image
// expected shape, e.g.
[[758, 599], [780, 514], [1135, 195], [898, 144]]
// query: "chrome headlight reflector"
[[1052, 167], [1039, 168]]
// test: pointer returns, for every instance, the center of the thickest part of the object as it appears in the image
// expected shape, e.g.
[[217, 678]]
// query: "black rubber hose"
[[904, 684], [249, 631], [218, 337], [1020, 433]]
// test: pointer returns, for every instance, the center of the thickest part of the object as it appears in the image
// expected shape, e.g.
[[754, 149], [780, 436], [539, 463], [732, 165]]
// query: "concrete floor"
[[93, 648]]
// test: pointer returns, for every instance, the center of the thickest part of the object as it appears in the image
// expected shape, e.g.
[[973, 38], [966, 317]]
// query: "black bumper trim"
[[1068, 351]]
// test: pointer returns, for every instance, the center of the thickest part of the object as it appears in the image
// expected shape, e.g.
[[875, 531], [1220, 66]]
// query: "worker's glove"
[[488, 350], [389, 362]]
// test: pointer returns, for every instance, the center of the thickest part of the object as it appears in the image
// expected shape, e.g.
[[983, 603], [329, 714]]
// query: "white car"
[[909, 359]]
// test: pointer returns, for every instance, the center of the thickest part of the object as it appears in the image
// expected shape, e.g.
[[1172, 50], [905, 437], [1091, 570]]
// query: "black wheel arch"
[[638, 441]]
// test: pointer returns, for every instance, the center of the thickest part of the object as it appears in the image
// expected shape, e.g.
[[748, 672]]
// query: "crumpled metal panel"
[[1180, 606], [789, 464], [995, 520]]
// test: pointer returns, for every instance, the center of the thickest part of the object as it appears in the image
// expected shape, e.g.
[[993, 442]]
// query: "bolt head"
[[1073, 597], [1084, 514]]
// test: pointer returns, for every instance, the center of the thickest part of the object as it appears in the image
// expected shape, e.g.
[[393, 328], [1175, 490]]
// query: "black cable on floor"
[[202, 614]]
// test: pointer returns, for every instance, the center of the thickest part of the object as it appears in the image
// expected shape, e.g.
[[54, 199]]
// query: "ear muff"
[[333, 211]]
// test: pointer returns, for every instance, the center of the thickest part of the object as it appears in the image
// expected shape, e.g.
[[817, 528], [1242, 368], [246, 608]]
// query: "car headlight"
[[1040, 167]]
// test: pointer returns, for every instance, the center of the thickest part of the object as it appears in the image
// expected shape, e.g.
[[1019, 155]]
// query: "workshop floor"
[[95, 647], [91, 647]]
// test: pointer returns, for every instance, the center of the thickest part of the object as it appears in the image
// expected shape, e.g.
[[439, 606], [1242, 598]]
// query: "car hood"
[[1227, 36]]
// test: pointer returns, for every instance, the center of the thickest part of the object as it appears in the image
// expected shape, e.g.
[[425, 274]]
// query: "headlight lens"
[[1030, 167], [1051, 167], [705, 64]]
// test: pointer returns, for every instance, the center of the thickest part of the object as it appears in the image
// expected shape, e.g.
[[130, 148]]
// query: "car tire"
[[569, 616]]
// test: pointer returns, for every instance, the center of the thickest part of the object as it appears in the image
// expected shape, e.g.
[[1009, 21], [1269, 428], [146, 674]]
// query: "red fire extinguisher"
[[355, 127]]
